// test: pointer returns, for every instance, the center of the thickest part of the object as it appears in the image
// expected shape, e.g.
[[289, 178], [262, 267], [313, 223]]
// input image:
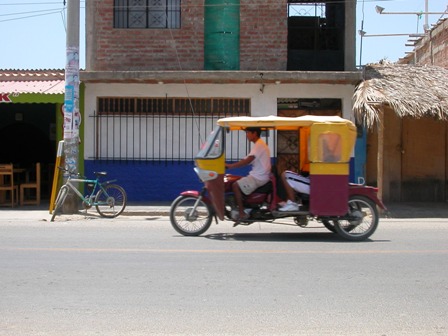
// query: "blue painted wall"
[[150, 181], [157, 181], [359, 169]]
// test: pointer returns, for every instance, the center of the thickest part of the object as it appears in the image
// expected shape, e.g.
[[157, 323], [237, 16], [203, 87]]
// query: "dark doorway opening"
[[27, 135], [316, 35]]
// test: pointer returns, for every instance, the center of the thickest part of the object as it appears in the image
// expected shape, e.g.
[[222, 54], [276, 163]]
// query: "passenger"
[[294, 182], [260, 159]]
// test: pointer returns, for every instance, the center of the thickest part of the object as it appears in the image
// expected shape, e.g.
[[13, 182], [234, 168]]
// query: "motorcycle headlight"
[[206, 175]]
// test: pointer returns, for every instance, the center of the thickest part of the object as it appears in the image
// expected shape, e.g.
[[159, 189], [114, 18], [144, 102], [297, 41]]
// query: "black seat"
[[264, 189]]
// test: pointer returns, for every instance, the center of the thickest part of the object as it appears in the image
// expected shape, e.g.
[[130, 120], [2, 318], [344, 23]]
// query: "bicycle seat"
[[103, 173]]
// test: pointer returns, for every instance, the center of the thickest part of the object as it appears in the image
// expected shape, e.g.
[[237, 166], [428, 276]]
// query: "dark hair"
[[253, 129]]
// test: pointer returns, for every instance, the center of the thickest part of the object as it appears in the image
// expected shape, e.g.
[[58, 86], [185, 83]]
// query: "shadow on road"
[[416, 210], [327, 237]]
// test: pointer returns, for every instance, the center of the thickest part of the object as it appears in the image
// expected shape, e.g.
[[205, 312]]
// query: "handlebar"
[[72, 173]]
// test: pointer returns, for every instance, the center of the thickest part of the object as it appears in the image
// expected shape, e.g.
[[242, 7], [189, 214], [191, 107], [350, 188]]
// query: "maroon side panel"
[[328, 195], [216, 190]]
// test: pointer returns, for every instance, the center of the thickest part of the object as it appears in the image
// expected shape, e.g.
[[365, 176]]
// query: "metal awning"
[[32, 86]]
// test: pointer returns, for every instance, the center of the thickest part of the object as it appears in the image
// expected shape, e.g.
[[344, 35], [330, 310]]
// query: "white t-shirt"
[[261, 165]]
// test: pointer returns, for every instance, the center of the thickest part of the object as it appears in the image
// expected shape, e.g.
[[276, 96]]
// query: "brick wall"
[[432, 49], [147, 49], [263, 35], [439, 45], [263, 39]]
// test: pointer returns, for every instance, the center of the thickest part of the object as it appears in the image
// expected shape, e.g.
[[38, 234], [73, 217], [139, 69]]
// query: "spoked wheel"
[[189, 220], [112, 202], [360, 222], [60, 199]]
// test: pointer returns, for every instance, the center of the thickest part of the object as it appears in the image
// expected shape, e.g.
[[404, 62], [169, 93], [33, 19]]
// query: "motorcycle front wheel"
[[189, 220], [360, 222]]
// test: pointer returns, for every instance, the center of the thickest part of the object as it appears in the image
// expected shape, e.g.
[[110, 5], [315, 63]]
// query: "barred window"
[[173, 106], [135, 128], [144, 14]]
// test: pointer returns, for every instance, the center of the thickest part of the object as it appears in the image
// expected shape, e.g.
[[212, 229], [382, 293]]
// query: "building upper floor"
[[234, 35], [431, 48]]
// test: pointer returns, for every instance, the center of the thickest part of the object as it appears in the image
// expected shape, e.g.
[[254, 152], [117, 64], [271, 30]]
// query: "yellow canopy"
[[282, 123]]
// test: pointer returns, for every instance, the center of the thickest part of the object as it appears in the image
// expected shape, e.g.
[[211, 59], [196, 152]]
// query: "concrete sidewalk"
[[416, 210], [395, 210], [43, 211]]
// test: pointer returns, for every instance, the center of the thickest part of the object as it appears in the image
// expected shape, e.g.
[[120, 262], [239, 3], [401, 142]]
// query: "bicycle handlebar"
[[71, 173]]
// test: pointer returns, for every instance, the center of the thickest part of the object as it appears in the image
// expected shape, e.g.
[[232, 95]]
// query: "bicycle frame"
[[97, 185], [108, 198]]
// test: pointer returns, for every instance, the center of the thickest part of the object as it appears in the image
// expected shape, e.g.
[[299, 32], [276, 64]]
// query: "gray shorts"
[[248, 184]]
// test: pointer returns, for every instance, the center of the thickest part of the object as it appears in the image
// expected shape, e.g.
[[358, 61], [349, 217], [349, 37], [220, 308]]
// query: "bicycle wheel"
[[111, 201], [60, 199], [188, 222]]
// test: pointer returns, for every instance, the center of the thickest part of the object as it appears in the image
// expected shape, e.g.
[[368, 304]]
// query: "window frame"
[[127, 13]]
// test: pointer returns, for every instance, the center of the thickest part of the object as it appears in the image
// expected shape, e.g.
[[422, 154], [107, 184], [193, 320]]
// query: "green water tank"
[[222, 35]]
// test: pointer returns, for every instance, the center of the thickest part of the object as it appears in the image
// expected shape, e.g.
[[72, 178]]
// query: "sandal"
[[244, 218]]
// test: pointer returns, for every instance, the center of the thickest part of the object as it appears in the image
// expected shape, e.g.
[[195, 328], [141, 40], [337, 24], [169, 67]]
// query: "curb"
[[394, 211]]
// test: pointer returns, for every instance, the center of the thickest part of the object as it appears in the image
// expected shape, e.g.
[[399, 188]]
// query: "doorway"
[[27, 135]]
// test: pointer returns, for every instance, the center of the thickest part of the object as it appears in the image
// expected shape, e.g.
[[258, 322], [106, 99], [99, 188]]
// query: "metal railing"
[[160, 129]]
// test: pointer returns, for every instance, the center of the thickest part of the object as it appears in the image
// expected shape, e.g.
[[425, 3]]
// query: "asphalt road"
[[134, 275]]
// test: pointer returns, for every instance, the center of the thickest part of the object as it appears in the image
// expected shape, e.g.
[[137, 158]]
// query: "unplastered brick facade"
[[263, 39], [437, 53], [263, 35], [432, 48]]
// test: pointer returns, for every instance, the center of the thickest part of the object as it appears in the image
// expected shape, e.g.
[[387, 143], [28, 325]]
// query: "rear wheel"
[[60, 199], [111, 202], [361, 221], [187, 221]]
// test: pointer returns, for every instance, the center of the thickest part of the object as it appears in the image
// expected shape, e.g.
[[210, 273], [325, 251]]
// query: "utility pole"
[[72, 116]]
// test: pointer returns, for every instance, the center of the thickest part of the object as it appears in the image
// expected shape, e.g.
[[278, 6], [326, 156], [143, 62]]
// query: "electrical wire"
[[184, 82], [32, 12], [35, 13], [7, 17], [29, 3], [362, 29]]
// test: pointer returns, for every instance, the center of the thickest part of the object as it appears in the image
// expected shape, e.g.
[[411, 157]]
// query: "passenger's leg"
[[239, 199], [290, 194], [291, 204]]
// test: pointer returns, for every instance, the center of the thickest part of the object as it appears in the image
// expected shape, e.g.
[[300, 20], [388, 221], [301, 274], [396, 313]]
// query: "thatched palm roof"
[[410, 90]]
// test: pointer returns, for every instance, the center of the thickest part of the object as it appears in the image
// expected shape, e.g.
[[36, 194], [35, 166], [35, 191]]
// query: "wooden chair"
[[25, 187], [7, 183]]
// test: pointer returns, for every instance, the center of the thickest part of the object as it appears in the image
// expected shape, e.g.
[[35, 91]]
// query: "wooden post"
[[54, 189], [380, 161]]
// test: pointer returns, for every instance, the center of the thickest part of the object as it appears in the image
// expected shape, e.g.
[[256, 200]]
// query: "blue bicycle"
[[108, 198]]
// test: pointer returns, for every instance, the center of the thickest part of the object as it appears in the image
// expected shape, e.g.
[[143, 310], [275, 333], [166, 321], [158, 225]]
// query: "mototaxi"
[[326, 147]]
